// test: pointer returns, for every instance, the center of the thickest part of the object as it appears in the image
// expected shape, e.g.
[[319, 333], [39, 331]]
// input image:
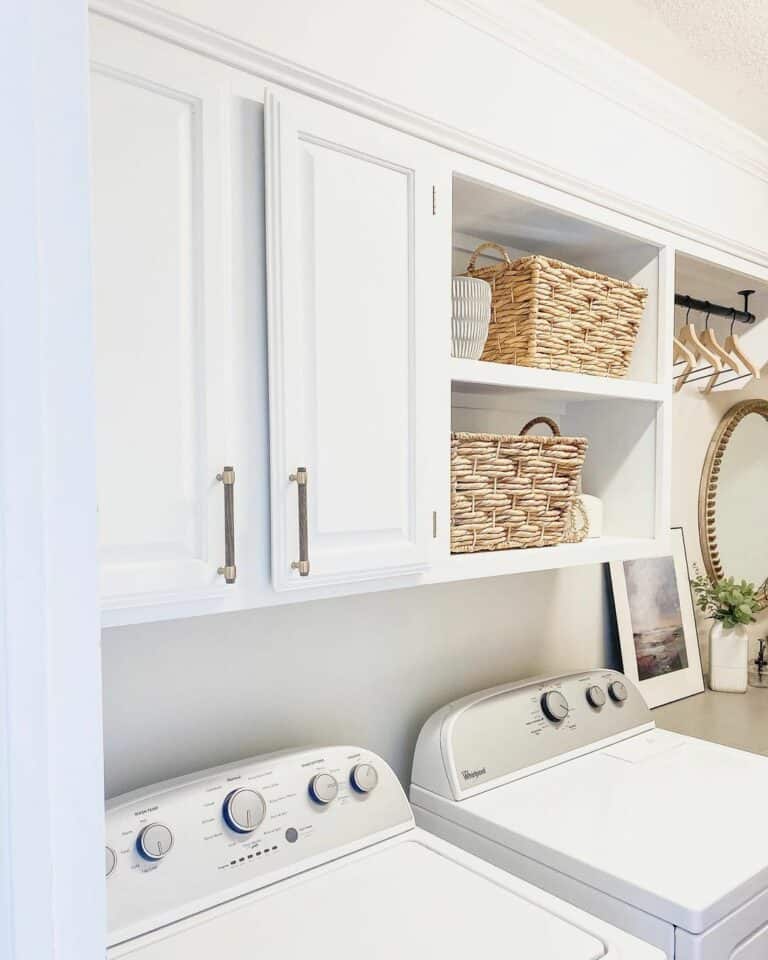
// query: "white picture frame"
[[657, 625]]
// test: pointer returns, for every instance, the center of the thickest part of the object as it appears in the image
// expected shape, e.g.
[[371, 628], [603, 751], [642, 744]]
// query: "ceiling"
[[716, 49], [731, 35]]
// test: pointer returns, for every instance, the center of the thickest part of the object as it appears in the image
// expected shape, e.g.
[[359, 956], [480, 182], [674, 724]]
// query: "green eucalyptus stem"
[[731, 603]]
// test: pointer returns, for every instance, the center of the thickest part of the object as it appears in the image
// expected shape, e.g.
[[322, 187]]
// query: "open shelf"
[[621, 465], [499, 563], [624, 420], [487, 212], [483, 378]]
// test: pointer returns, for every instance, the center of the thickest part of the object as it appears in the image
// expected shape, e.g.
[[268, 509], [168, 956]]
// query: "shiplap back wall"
[[370, 668]]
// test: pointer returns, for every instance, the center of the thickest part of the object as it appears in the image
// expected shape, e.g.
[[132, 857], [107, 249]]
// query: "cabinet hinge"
[[434, 524], [434, 199]]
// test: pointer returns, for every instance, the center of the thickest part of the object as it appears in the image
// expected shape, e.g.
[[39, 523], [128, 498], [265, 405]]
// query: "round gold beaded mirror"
[[733, 500]]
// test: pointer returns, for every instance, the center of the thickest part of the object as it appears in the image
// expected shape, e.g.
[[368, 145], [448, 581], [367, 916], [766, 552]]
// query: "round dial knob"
[[323, 788], [554, 705], [244, 810], [595, 696], [154, 841], [111, 861], [617, 691], [364, 777]]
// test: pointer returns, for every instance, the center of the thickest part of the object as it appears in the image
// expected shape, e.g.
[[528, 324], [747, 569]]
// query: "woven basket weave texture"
[[513, 491], [551, 315]]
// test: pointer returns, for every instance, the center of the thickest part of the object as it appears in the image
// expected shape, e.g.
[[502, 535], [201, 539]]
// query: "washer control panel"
[[179, 847], [503, 732]]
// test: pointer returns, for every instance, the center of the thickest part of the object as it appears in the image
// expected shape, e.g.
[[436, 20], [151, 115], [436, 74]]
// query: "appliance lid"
[[402, 899], [661, 821]]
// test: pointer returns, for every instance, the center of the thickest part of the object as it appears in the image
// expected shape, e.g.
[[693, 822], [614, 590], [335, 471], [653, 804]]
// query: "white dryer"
[[314, 854], [567, 783]]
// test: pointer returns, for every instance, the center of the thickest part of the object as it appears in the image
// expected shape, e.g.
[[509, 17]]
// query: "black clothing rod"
[[715, 309]]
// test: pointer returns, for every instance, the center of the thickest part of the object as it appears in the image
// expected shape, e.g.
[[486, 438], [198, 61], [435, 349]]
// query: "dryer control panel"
[[179, 847], [506, 732]]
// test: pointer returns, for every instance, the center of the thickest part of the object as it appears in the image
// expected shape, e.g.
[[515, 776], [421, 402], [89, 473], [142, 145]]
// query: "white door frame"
[[51, 783]]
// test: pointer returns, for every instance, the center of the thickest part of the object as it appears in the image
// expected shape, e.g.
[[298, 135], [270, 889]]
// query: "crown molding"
[[275, 69], [543, 35]]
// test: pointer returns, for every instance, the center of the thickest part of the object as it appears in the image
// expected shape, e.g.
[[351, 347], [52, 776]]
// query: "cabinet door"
[[353, 265], [163, 325]]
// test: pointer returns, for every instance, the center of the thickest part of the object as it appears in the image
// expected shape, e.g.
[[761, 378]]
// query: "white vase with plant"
[[732, 606]]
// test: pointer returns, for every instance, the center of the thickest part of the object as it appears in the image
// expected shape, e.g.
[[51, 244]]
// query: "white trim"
[[274, 69], [51, 781], [552, 40]]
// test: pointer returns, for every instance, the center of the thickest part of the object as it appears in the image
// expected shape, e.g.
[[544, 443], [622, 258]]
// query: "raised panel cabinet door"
[[352, 262], [162, 321]]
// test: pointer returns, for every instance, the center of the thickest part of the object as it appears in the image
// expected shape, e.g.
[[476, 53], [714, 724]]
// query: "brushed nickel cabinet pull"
[[302, 564], [229, 570]]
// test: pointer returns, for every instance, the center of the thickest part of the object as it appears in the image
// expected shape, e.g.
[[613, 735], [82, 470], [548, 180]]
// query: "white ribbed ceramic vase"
[[471, 316], [728, 658]]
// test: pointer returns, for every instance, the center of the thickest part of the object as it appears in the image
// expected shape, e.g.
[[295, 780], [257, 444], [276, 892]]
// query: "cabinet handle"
[[229, 570], [302, 564]]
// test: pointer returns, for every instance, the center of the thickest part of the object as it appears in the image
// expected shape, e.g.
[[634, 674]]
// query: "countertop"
[[735, 719]]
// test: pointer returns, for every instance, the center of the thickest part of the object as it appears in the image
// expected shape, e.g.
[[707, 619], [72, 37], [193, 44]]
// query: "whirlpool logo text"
[[473, 774]]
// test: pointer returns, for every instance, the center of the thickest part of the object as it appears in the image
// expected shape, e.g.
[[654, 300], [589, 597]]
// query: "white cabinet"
[[162, 320], [349, 289], [358, 318]]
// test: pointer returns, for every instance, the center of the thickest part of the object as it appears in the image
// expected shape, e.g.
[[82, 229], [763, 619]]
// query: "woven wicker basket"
[[548, 314], [511, 492]]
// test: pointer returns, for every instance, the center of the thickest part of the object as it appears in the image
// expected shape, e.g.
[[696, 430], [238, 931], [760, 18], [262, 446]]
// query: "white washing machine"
[[314, 854], [566, 782]]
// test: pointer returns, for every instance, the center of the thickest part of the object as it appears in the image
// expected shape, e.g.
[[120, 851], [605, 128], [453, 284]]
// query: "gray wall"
[[187, 694]]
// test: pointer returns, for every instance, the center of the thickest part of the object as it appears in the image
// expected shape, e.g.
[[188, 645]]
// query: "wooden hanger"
[[730, 363], [689, 338], [733, 345], [710, 341], [682, 355], [734, 348]]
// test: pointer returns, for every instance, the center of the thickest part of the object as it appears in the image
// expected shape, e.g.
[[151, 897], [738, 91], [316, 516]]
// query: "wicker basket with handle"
[[511, 492], [552, 315]]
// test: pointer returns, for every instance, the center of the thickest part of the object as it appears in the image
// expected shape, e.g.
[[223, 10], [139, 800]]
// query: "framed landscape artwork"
[[657, 626]]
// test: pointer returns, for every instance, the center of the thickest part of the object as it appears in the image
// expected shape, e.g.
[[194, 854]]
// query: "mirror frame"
[[708, 486]]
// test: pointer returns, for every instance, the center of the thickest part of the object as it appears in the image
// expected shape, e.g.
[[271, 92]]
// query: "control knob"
[[554, 705], [244, 810], [110, 861], [618, 691], [595, 696], [323, 788], [364, 777], [154, 841]]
